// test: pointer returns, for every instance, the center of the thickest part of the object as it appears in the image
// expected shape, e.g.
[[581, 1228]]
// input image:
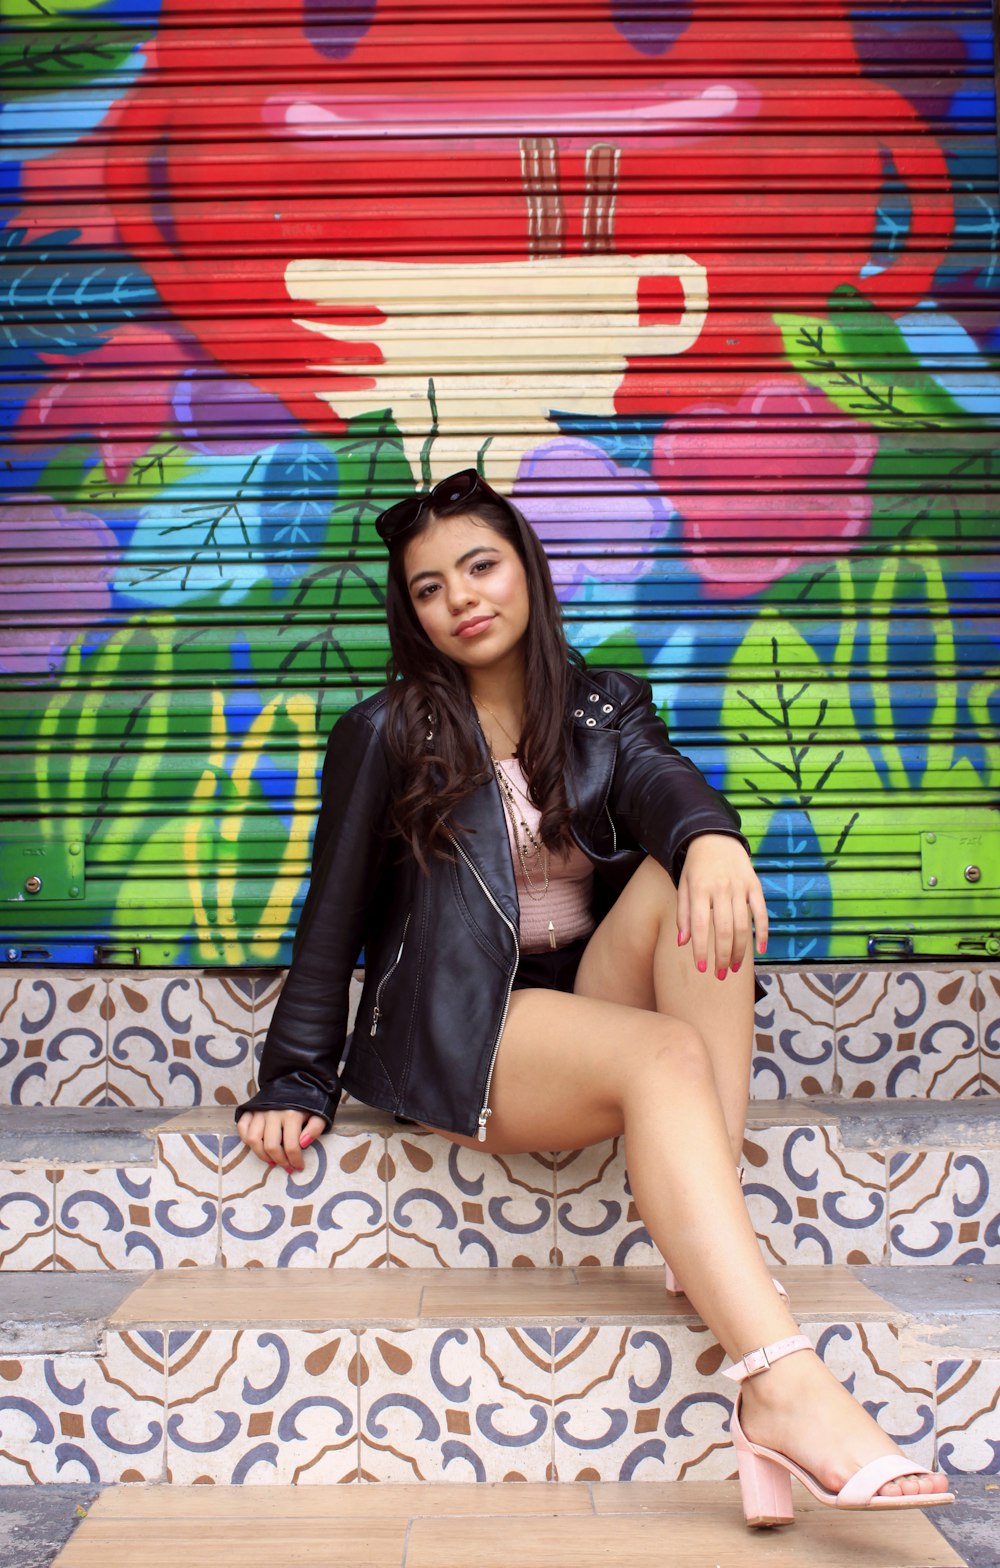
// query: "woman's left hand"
[[719, 892]]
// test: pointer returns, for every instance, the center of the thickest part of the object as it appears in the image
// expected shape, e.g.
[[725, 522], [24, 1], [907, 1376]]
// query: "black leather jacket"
[[441, 948]]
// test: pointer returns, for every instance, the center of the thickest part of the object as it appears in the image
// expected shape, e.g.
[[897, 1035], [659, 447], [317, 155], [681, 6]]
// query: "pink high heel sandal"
[[765, 1475], [673, 1286]]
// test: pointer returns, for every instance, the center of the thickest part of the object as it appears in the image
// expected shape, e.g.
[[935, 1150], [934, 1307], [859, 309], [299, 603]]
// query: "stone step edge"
[[84, 1307], [31, 1135], [638, 1521]]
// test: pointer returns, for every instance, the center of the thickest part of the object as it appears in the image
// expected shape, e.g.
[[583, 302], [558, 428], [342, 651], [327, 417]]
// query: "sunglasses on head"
[[450, 495]]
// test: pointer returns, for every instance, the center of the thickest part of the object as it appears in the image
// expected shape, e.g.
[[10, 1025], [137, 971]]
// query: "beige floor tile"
[[248, 1504], [368, 1543], [245, 1296], [688, 1539]]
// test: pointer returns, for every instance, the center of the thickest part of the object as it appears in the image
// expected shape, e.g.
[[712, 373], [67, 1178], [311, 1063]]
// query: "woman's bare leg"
[[572, 1071], [633, 958]]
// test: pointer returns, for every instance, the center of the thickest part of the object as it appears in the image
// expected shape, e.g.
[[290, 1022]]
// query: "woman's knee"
[[670, 1051]]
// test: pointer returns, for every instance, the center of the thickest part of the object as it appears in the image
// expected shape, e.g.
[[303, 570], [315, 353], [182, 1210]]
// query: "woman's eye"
[[425, 592], [483, 566]]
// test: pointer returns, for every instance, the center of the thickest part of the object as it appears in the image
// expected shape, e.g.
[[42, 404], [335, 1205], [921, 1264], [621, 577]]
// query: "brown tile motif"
[[464, 1208], [597, 1222], [907, 1033], [945, 1206], [968, 1417], [261, 1407], [332, 1212], [986, 1001], [26, 1224], [793, 1051], [179, 1039], [163, 1215], [456, 1404], [813, 1201], [84, 1418], [53, 1038]]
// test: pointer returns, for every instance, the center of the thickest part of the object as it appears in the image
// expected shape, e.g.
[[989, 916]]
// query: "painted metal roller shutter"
[[709, 288]]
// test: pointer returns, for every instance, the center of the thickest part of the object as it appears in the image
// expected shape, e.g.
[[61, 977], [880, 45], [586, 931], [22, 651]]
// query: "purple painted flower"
[[595, 518], [55, 581], [226, 416]]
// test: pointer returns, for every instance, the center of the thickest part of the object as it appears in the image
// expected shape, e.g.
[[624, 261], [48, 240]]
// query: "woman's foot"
[[799, 1409]]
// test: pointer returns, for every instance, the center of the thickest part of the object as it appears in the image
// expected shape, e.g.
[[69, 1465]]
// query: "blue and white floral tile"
[[907, 1034], [26, 1218], [597, 1222], [968, 1417], [163, 1215], [813, 1201], [638, 1404], [453, 1207], [85, 1418], [871, 1362], [179, 1039], [53, 1038], [793, 1049], [332, 1213], [261, 1407], [945, 1206], [456, 1404], [986, 999]]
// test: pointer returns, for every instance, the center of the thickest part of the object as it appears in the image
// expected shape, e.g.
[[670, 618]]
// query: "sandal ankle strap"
[[758, 1361]]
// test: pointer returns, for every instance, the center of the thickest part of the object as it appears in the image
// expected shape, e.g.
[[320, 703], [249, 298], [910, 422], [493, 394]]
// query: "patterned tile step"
[[564, 1525], [258, 1377], [193, 1037], [826, 1181]]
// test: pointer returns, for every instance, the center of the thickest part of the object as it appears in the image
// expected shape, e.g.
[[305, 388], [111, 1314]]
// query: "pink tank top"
[[564, 912]]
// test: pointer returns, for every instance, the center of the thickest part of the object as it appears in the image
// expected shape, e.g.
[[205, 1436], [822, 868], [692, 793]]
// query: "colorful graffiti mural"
[[713, 297]]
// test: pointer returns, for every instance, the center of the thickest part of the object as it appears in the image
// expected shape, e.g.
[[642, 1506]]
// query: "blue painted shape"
[[484, 1421], [264, 1396]]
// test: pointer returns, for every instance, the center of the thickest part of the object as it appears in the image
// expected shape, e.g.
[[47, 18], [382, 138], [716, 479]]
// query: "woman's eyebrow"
[[460, 562]]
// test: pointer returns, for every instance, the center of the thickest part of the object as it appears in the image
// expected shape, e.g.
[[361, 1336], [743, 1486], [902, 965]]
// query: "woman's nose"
[[461, 594]]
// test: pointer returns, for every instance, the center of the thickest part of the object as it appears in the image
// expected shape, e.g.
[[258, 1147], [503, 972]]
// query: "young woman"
[[556, 914]]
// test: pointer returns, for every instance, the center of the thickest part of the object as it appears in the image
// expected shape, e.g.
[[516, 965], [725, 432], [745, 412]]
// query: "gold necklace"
[[538, 851], [515, 743]]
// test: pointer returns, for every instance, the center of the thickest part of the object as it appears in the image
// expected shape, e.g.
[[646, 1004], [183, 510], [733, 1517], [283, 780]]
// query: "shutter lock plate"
[[960, 861], [42, 870]]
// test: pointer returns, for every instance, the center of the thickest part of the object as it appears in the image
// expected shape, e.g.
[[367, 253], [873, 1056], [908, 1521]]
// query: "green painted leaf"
[[846, 363]]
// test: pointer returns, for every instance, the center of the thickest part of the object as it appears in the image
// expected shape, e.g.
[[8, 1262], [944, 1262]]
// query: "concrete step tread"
[[446, 1525], [55, 1310], [125, 1135]]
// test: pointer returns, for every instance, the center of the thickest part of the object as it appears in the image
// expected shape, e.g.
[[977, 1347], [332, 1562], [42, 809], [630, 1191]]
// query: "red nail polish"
[[720, 974], [735, 968], [306, 1141], [680, 938], [702, 966]]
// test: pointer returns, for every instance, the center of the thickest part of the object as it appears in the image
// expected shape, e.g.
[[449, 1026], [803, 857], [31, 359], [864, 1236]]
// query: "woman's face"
[[469, 590]]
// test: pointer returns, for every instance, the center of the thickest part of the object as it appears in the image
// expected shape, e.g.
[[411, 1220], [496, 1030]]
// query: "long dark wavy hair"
[[431, 724]]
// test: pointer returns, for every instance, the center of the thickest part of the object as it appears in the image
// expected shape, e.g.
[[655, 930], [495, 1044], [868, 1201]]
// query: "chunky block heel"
[[765, 1475], [765, 1489]]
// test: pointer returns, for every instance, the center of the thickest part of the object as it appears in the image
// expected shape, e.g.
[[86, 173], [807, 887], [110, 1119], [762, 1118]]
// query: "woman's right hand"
[[279, 1137]]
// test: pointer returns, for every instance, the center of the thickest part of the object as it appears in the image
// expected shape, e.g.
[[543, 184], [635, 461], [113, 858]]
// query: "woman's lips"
[[472, 628]]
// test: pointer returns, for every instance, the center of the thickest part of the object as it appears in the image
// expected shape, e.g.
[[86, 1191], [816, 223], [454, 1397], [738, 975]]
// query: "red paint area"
[[393, 152]]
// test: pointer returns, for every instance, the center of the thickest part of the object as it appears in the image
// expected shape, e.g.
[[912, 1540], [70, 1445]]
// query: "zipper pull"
[[552, 935], [483, 1117], [375, 1016]]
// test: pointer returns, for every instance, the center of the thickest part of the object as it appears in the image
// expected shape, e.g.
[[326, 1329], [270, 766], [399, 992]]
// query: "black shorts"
[[554, 969]]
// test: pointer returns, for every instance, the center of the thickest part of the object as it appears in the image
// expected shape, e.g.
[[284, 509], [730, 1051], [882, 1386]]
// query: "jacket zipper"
[[485, 1113], [390, 971]]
